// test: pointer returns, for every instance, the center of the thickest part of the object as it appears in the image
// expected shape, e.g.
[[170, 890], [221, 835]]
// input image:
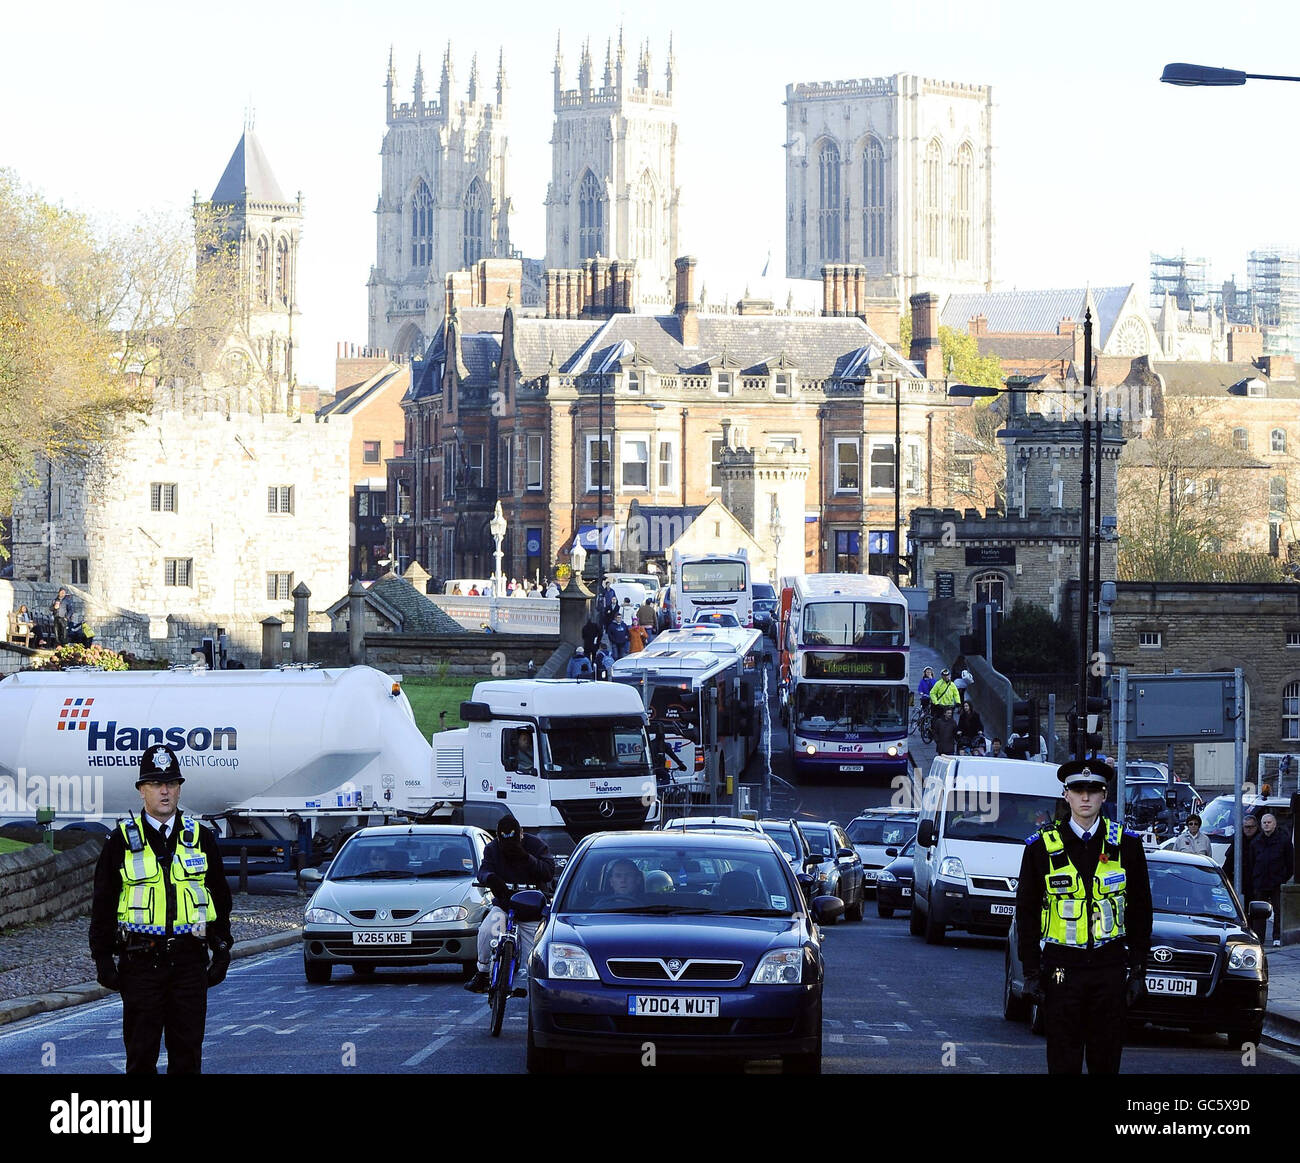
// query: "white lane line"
[[432, 1048]]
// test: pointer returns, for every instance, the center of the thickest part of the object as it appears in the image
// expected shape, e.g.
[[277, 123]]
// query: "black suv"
[[765, 608]]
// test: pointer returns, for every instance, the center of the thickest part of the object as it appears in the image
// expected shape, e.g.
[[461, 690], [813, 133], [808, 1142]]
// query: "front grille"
[[992, 883], [1201, 964], [404, 914], [341, 946], [582, 817], [702, 1027], [647, 969], [362, 914]]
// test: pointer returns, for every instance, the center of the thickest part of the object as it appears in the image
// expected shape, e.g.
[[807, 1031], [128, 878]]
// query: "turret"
[[392, 81], [419, 82], [473, 79], [444, 89]]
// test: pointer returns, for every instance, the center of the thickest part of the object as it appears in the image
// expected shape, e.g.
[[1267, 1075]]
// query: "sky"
[[122, 109]]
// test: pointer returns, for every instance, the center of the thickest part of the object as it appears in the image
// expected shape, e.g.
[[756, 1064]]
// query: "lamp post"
[[1206, 75], [776, 541], [393, 521], [497, 527]]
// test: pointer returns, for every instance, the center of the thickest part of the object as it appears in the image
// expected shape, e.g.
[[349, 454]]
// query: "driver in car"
[[625, 885]]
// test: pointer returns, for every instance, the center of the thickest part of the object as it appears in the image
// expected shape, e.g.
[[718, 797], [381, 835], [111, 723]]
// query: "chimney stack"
[[686, 308], [926, 352]]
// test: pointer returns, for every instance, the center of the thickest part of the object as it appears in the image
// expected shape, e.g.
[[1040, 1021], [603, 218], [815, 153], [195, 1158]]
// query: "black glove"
[[1033, 989], [219, 964], [1136, 985], [106, 972]]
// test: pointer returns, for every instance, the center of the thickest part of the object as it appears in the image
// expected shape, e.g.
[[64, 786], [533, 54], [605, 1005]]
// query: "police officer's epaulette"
[[1136, 835], [1032, 837]]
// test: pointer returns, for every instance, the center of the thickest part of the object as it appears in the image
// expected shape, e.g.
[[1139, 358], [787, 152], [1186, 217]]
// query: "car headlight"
[[952, 868], [1243, 956], [888, 877], [446, 913], [323, 917], [569, 963], [780, 967]]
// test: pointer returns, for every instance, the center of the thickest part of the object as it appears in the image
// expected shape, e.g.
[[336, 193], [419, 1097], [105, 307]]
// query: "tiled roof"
[[419, 615], [480, 353], [247, 171], [1045, 348], [1197, 454], [537, 341], [1037, 312], [355, 395], [1210, 378]]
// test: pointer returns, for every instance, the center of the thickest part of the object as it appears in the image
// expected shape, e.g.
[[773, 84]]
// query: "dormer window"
[[1256, 388], [782, 384], [633, 381], [724, 383]]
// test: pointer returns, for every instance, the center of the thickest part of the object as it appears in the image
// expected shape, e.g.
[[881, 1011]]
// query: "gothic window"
[[591, 217], [1130, 338], [828, 202], [282, 272], [932, 188], [475, 236], [991, 587], [262, 275], [965, 198], [644, 242], [874, 194], [421, 226]]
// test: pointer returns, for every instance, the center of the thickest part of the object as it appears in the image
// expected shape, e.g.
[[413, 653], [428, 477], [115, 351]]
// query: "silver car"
[[874, 831], [397, 895]]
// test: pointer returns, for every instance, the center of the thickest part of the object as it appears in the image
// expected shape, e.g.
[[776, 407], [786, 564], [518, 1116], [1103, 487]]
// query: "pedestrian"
[[945, 732], [1192, 839], [943, 694], [1084, 894], [553, 589], [59, 611], [618, 636], [1273, 864], [995, 749], [160, 903], [637, 637], [645, 613], [579, 665], [609, 604], [591, 635], [604, 660], [1249, 832]]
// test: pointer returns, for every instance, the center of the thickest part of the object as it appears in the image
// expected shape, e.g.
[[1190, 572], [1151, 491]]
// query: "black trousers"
[[1084, 1014], [165, 995]]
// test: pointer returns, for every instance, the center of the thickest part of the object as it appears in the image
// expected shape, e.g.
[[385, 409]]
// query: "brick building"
[[539, 412]]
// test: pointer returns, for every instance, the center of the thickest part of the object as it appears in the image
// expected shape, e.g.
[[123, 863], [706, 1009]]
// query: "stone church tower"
[[250, 212], [895, 173], [443, 203], [613, 190]]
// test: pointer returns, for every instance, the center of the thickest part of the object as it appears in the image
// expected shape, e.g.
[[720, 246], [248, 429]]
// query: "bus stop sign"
[[1181, 708]]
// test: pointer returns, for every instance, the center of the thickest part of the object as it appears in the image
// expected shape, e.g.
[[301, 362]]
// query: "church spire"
[[444, 88], [672, 65], [584, 70], [392, 80], [609, 65], [419, 81], [501, 76], [473, 79]]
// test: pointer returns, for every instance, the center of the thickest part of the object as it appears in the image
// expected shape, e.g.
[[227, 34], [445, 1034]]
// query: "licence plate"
[[907, 892], [870, 873], [1003, 910], [1174, 985], [382, 937], [642, 1005], [850, 767]]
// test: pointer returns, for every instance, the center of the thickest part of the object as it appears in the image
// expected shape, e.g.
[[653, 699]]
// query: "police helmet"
[[159, 765]]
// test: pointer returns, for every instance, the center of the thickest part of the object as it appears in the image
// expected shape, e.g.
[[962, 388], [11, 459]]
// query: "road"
[[893, 1005]]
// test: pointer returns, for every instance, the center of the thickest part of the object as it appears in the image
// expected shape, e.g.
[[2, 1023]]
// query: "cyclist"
[[511, 861], [923, 687], [944, 694]]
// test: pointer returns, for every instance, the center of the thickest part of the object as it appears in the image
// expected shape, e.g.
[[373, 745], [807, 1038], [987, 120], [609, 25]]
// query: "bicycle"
[[525, 906], [922, 723]]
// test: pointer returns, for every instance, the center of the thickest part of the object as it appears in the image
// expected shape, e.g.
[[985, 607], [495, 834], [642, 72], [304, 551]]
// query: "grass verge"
[[429, 696]]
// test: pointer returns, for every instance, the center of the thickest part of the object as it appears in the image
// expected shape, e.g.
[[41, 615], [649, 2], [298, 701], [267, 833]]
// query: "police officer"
[[1084, 894], [161, 901]]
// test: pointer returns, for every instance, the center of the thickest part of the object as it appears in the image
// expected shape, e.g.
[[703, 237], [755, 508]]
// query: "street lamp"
[[1206, 75], [578, 558], [392, 521], [776, 541], [497, 527]]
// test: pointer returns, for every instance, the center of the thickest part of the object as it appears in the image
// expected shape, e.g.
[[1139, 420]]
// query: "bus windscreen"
[[830, 708], [713, 577], [854, 624]]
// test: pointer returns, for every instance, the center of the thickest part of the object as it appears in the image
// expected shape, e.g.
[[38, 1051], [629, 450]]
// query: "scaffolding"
[[1185, 279], [1273, 275]]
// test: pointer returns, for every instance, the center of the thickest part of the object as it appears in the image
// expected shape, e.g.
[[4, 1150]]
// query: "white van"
[[976, 814]]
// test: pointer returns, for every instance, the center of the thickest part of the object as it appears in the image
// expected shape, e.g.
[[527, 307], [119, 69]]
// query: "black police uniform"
[[163, 980], [1084, 989]]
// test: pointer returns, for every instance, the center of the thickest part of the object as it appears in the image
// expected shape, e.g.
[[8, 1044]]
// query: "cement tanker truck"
[[286, 762]]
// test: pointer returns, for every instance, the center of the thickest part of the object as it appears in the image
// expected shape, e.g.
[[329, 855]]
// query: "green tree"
[[1031, 641], [961, 354]]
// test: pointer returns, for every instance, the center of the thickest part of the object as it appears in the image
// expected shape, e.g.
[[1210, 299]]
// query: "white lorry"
[[283, 761]]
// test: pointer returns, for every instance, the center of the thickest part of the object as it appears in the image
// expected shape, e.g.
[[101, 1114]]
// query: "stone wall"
[[468, 656], [39, 885]]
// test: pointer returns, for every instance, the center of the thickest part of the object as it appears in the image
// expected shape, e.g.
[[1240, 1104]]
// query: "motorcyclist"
[[518, 861]]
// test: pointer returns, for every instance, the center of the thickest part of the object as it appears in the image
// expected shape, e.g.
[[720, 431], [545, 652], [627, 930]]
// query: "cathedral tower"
[[443, 203], [248, 210], [613, 190]]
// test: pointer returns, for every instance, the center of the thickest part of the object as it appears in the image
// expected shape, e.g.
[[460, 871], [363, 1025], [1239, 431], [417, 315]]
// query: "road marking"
[[432, 1048], [858, 1039]]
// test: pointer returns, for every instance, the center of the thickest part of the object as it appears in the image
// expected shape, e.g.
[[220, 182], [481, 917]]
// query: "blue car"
[[698, 942]]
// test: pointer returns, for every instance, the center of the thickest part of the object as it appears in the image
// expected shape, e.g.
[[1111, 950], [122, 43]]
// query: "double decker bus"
[[700, 685], [844, 674]]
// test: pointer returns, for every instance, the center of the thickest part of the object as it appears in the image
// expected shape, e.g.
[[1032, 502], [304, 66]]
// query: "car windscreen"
[[1191, 890], [403, 857], [764, 592], [576, 749], [784, 837], [663, 879], [885, 833], [1218, 815], [983, 812]]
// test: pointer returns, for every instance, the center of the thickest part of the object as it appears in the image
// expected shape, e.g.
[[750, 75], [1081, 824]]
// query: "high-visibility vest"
[[1073, 910], [142, 907], [944, 693]]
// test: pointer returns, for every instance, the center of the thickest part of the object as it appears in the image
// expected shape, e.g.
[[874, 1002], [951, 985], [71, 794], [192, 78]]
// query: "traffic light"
[[1024, 722]]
